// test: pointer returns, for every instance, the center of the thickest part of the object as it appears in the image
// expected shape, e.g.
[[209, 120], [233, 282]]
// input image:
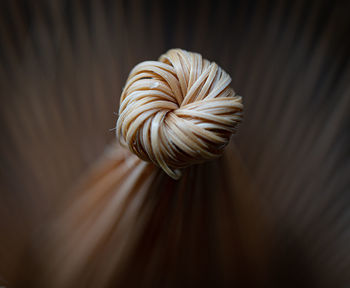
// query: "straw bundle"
[[272, 211]]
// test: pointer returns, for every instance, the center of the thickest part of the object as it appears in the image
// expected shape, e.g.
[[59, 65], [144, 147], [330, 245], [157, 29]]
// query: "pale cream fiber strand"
[[178, 111]]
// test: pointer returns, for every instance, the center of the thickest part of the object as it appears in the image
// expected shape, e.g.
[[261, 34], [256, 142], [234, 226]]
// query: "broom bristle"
[[63, 65]]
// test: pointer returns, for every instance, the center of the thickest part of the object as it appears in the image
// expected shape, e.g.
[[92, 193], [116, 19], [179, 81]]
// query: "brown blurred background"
[[63, 65]]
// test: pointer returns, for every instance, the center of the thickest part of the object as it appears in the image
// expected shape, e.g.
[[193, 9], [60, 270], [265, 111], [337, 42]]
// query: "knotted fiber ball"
[[178, 111]]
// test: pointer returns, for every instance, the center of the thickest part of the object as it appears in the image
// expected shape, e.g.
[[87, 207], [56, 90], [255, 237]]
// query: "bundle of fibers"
[[129, 217], [271, 211]]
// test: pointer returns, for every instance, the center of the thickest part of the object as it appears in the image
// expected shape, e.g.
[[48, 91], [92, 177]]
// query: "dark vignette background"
[[62, 68]]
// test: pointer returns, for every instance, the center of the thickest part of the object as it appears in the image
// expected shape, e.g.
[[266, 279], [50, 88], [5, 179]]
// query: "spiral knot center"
[[178, 111]]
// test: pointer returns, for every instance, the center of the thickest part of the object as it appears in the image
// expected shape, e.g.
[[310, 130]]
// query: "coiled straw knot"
[[178, 111]]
